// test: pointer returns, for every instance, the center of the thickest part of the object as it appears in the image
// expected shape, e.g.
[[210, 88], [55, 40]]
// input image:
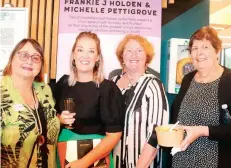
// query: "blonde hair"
[[8, 69], [97, 70], [148, 48]]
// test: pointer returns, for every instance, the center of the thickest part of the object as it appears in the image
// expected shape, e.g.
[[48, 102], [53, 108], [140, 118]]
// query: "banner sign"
[[111, 20]]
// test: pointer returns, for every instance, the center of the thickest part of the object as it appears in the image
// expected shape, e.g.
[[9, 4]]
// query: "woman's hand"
[[147, 156], [66, 117], [193, 133], [76, 164]]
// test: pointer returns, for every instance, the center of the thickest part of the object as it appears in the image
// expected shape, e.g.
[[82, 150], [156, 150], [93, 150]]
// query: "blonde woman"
[[99, 103]]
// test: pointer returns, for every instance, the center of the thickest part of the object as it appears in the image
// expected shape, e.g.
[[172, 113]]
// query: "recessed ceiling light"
[[216, 0], [218, 28], [225, 37]]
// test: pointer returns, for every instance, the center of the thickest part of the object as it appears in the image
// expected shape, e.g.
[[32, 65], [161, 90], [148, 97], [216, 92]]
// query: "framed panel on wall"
[[226, 57], [13, 28], [179, 63]]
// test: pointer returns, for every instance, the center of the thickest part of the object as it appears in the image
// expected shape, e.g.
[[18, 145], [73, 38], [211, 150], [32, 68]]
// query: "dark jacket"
[[222, 132]]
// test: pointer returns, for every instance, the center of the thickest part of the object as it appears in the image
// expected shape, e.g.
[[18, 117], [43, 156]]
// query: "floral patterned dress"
[[20, 143]]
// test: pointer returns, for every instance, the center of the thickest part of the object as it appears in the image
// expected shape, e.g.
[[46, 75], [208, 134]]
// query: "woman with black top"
[[99, 103], [203, 106]]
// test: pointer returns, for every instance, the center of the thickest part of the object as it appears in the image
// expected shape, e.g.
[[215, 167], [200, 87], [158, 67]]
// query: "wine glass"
[[69, 105]]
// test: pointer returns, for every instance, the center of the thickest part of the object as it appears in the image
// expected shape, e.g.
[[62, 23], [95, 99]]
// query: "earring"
[[123, 67], [97, 64], [146, 67], [38, 76], [73, 63]]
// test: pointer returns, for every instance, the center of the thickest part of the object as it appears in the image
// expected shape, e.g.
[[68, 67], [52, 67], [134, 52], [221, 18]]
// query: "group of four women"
[[125, 109]]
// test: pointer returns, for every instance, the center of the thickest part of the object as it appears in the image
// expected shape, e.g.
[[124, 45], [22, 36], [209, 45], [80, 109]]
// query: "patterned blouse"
[[146, 106], [199, 107], [23, 127]]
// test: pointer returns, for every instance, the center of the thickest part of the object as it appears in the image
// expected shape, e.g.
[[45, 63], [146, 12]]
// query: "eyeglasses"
[[23, 56]]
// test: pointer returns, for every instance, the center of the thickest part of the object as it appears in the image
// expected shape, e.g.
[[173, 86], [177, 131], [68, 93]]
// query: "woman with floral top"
[[28, 119]]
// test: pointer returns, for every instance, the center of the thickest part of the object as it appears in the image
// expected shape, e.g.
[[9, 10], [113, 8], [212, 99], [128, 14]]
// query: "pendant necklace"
[[130, 82], [38, 123], [202, 79]]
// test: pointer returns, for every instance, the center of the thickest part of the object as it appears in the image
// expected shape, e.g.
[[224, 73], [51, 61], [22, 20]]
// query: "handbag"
[[72, 146], [76, 149]]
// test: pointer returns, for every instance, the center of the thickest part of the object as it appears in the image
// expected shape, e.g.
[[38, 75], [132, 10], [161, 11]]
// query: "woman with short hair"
[[202, 104], [146, 105], [29, 126]]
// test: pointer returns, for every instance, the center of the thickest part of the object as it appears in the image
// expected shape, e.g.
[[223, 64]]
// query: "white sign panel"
[[13, 28]]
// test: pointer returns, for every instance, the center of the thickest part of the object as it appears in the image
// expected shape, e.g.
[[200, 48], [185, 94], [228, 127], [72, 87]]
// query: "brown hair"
[[98, 69], [37, 47], [148, 48], [207, 33]]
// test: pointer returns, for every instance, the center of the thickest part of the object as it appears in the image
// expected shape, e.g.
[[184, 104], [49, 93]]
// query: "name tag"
[[18, 107]]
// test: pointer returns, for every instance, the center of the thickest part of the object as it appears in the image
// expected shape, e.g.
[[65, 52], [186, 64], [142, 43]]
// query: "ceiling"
[[220, 16], [176, 9], [220, 19]]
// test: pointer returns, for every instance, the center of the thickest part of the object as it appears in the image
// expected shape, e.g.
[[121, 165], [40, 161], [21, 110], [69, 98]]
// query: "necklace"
[[212, 75], [38, 123], [132, 81], [202, 79], [35, 115]]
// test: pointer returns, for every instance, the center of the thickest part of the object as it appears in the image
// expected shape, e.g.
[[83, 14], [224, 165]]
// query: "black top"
[[98, 109], [221, 132]]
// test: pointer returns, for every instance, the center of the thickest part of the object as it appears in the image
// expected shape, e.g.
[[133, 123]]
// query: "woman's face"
[[203, 54], [85, 55], [27, 62], [134, 56]]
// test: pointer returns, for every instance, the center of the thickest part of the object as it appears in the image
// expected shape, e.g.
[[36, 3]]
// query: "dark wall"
[[181, 27]]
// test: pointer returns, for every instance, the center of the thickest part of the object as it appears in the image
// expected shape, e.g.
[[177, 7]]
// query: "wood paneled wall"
[[43, 26]]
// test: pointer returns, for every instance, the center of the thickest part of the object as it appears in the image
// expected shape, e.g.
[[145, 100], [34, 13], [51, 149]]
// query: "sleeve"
[[158, 109], [53, 123], [175, 107], [57, 90], [111, 107], [5, 106], [49, 102], [223, 131]]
